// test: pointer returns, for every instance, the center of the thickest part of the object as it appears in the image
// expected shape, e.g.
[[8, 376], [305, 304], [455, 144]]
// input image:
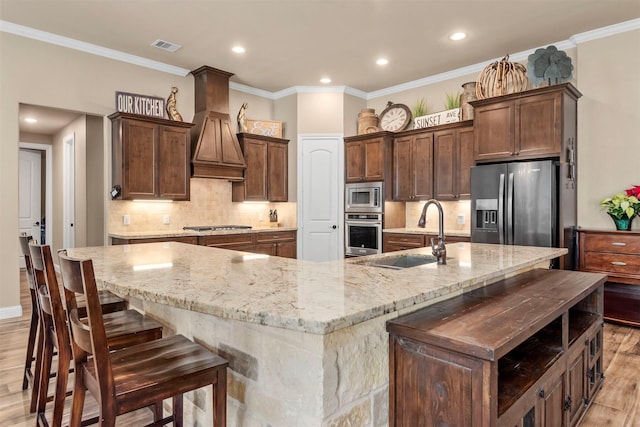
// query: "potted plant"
[[623, 207]]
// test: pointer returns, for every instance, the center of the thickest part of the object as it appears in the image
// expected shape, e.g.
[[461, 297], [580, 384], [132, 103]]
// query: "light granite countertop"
[[188, 233], [314, 297]]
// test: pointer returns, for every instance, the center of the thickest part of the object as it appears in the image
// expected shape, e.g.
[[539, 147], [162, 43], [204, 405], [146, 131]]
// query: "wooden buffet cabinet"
[[617, 254], [525, 351], [275, 243], [150, 157]]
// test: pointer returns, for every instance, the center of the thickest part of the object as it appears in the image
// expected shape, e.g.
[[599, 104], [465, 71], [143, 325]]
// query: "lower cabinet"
[[235, 242], [281, 244], [522, 352], [392, 242]]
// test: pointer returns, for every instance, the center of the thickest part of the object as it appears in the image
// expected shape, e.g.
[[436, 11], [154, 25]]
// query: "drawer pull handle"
[[618, 244], [618, 263]]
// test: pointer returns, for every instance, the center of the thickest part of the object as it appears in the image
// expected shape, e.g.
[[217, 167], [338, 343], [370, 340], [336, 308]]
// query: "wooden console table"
[[617, 254], [523, 351]]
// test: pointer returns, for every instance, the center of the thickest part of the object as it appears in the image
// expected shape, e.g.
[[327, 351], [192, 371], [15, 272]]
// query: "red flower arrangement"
[[623, 205], [633, 191]]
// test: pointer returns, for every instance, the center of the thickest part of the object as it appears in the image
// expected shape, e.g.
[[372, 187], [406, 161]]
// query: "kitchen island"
[[306, 341]]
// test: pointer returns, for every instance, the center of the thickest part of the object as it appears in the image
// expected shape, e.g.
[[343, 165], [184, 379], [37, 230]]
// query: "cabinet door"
[[270, 249], [577, 387], [552, 402], [445, 165], [287, 250], [354, 161], [422, 166], [465, 162], [277, 173], [374, 160], [139, 145], [392, 242], [255, 179], [494, 131], [173, 163], [402, 171], [538, 132]]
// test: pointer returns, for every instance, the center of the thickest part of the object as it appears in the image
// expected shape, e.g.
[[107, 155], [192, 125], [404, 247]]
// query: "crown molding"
[[32, 33], [573, 41]]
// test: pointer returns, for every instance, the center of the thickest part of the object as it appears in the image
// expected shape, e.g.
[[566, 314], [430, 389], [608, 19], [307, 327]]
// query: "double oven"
[[363, 218]]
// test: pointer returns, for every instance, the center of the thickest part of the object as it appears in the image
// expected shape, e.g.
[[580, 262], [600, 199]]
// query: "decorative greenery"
[[419, 108], [452, 101], [623, 205]]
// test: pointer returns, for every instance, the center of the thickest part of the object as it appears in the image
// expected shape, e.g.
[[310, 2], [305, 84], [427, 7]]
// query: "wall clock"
[[395, 117]]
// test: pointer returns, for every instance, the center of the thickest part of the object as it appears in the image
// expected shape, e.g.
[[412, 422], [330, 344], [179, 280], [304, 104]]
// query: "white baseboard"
[[9, 312]]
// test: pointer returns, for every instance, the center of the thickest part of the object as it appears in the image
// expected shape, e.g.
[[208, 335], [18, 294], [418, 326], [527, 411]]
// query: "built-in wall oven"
[[363, 233], [363, 197]]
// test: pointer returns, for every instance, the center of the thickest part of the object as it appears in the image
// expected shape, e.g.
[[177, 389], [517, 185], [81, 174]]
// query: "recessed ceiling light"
[[30, 120], [457, 36], [325, 80], [238, 49], [382, 61]]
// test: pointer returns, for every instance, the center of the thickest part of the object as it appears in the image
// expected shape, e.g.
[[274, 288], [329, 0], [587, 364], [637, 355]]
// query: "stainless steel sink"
[[400, 262]]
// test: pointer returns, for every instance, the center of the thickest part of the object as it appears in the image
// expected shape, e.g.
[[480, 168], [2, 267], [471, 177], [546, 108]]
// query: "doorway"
[[320, 197]]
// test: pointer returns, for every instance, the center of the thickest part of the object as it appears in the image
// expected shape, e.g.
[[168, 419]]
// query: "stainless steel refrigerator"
[[515, 203]]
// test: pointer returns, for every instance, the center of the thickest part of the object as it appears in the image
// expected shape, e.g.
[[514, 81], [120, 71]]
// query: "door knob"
[[37, 223], [334, 226]]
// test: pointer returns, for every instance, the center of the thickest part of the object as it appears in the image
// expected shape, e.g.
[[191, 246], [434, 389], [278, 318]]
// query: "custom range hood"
[[215, 147]]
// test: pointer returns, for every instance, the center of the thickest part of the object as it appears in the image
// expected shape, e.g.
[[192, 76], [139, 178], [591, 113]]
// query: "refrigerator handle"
[[510, 210], [501, 209]]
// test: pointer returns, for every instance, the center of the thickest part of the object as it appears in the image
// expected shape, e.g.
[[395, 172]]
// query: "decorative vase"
[[623, 224], [367, 121], [468, 94]]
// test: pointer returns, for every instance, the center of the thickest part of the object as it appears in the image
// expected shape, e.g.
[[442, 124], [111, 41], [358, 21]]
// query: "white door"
[[30, 194], [68, 192], [320, 198]]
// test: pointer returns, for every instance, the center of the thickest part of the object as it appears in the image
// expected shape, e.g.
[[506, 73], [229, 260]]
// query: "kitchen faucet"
[[440, 251]]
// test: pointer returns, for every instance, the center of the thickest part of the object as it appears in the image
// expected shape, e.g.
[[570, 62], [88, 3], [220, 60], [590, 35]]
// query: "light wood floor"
[[616, 405]]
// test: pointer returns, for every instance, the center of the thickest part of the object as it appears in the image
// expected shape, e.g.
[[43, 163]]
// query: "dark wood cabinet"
[[392, 242], [235, 242], [368, 157], [266, 174], [413, 166], [452, 162], [617, 254], [282, 243], [518, 352], [150, 157], [533, 124]]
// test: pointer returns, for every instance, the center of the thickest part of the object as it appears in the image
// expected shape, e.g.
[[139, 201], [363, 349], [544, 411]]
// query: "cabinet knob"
[[541, 393], [618, 244], [618, 263]]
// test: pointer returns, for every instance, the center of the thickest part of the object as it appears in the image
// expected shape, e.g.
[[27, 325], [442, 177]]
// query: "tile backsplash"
[[451, 212], [210, 205]]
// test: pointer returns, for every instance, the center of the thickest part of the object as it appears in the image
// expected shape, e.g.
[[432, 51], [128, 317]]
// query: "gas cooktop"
[[216, 227]]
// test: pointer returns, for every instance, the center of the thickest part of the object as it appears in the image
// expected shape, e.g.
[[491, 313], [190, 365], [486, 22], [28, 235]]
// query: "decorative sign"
[[265, 128], [144, 105], [435, 119]]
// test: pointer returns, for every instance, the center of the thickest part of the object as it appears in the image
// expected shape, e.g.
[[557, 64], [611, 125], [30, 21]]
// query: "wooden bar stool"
[[35, 318], [139, 376], [125, 328]]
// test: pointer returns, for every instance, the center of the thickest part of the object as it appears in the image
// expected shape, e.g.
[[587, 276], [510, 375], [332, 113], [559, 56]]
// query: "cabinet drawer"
[[276, 236], [617, 243], [612, 263], [225, 240], [405, 240]]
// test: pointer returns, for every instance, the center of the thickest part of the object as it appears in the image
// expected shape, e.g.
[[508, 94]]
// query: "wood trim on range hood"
[[214, 144]]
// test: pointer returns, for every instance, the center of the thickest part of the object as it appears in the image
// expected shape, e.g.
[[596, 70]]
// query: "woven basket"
[[501, 78]]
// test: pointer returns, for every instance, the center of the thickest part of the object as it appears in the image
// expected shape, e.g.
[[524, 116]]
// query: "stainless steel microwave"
[[364, 197]]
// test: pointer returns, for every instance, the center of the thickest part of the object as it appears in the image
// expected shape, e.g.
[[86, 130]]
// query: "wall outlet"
[[261, 216], [126, 219], [166, 219], [461, 219]]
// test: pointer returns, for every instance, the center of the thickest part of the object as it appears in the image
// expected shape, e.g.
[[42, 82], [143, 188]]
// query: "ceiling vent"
[[165, 45]]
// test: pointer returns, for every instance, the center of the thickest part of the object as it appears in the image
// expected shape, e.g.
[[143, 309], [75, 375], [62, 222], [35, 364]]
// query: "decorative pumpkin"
[[501, 78]]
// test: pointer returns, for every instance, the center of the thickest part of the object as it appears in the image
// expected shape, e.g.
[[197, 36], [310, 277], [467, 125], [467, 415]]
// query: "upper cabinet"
[[368, 157], [413, 166], [266, 175], [150, 157], [452, 162], [526, 125]]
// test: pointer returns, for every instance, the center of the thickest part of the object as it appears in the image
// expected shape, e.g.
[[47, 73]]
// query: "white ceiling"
[[296, 42]]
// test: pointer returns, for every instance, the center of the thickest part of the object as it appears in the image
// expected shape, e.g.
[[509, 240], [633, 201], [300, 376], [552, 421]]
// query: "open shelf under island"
[[306, 341]]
